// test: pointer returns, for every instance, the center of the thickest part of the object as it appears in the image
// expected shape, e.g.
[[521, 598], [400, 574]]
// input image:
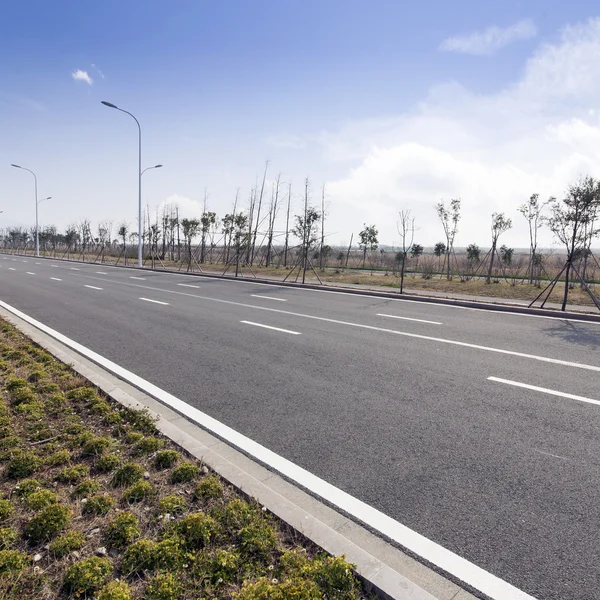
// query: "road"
[[388, 400]]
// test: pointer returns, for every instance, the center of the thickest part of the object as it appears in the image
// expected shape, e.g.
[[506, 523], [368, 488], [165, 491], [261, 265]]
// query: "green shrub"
[[139, 491], [98, 506], [148, 445], [8, 536], [6, 509], [258, 539], [265, 589], [127, 474], [13, 560], [66, 543], [86, 488], [73, 474], [171, 554], [113, 418], [75, 429], [122, 530], [335, 577], [196, 529], [172, 504], [164, 586], [140, 420], [47, 387], [209, 488], [86, 576], [97, 406], [225, 566], [31, 410], [237, 514], [47, 523], [26, 487], [15, 383], [11, 441], [81, 393], [62, 457], [114, 590], [166, 459], [140, 556], [6, 430], [184, 473], [107, 463], [56, 402], [133, 437], [41, 499], [23, 464], [96, 446], [23, 395]]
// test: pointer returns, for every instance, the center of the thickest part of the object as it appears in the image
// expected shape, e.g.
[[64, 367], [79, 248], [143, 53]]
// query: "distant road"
[[479, 430]]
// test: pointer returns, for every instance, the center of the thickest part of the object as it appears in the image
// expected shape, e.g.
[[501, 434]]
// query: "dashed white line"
[[92, 287], [75, 269], [409, 319], [11, 269], [189, 285], [55, 279], [24, 261], [268, 297], [29, 273], [140, 278], [54, 266], [273, 328], [535, 388], [38, 263], [101, 273], [154, 301]]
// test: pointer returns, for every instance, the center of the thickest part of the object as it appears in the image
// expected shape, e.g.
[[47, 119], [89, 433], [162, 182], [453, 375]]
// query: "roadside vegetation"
[[95, 503]]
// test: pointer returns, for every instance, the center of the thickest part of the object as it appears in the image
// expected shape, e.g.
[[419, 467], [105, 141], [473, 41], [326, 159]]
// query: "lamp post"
[[139, 179], [37, 236], [154, 167]]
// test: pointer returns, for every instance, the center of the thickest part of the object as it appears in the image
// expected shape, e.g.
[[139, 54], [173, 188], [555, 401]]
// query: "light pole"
[[139, 179], [154, 167], [37, 236]]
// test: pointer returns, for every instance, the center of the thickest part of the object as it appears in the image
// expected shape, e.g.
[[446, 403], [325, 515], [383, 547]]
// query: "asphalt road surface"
[[388, 400]]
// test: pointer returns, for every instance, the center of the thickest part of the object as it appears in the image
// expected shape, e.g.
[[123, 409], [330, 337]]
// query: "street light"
[[154, 167], [139, 179], [37, 236]]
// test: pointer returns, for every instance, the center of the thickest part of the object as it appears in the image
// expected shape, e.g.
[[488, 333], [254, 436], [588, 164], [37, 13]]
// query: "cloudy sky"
[[391, 105]]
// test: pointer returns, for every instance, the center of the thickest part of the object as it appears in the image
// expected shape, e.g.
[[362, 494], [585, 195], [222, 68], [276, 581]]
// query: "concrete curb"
[[384, 568], [511, 308]]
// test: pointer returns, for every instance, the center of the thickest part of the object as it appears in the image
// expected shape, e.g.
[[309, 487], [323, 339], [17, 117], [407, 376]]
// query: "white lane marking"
[[189, 285], [92, 287], [154, 301], [29, 273], [38, 263], [11, 269], [549, 454], [140, 278], [462, 569], [75, 269], [269, 298], [55, 278], [24, 261], [409, 319], [101, 273], [54, 266], [429, 338], [269, 327], [535, 388]]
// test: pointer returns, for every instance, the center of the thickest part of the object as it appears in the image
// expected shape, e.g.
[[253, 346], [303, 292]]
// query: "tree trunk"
[[490, 268], [566, 292]]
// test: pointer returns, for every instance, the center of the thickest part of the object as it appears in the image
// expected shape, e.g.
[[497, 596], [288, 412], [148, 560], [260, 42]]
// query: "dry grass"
[[95, 503]]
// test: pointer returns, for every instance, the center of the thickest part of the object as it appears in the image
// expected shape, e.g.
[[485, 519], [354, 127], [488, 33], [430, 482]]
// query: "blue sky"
[[370, 99]]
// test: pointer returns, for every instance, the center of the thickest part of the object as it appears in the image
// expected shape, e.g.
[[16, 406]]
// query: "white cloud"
[[491, 39], [493, 151], [80, 75], [187, 207]]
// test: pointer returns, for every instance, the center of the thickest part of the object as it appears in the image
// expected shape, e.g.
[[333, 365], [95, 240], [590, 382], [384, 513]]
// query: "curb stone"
[[385, 569]]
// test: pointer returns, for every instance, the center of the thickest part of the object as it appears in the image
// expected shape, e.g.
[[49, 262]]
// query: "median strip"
[[409, 319], [535, 388], [154, 301], [270, 327]]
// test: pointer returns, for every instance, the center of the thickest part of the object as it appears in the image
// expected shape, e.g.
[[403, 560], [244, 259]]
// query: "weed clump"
[[128, 474], [148, 445], [85, 488], [96, 446], [47, 523], [59, 458], [41, 499], [196, 530], [13, 560], [87, 576], [73, 474], [67, 543], [98, 506], [26, 487], [23, 464], [8, 536], [139, 491], [140, 556], [184, 473], [122, 530], [6, 509], [114, 590], [107, 463], [172, 504], [164, 586], [209, 488], [165, 459]]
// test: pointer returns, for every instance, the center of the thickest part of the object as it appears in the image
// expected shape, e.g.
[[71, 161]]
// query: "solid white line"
[[92, 287], [409, 319], [101, 273], [140, 278], [29, 273], [268, 298], [11, 269], [55, 278], [555, 361], [75, 269], [462, 569], [154, 301], [273, 328], [189, 285], [535, 388]]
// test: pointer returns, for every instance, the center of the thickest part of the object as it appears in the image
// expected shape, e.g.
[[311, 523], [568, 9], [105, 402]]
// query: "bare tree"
[[500, 224], [273, 210], [533, 212], [306, 228], [190, 228], [406, 229], [449, 216], [287, 226]]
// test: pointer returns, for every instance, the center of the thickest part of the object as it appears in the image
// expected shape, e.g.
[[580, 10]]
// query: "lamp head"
[[108, 104]]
